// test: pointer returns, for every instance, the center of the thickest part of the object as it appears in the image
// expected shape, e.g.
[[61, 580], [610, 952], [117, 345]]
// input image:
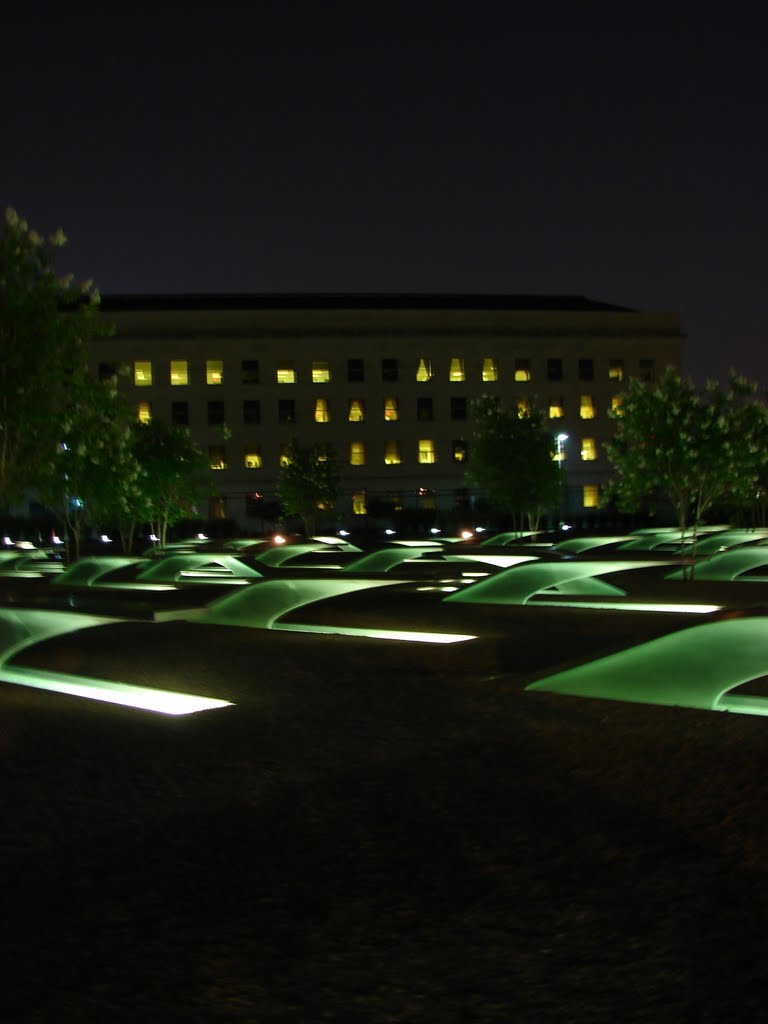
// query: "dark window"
[[424, 409], [249, 371], [215, 413], [458, 408], [355, 370], [554, 369], [254, 505], [389, 369], [586, 369], [647, 367], [107, 371], [180, 414], [286, 411], [251, 411]]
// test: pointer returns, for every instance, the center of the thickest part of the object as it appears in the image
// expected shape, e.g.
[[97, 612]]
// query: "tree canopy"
[[309, 481], [173, 475], [46, 324], [512, 460], [690, 448]]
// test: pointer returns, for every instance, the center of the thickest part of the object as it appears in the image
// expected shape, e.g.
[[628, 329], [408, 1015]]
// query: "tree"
[[512, 460], [174, 474], [94, 473], [309, 480], [46, 325], [692, 449]]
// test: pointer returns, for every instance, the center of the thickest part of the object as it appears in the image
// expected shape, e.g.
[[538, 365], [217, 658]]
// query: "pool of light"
[[166, 702], [631, 606], [412, 636]]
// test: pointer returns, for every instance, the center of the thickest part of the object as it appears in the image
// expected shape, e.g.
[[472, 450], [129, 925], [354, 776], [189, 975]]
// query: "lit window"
[[424, 371], [554, 369], [179, 372], [391, 413], [214, 371], [321, 373], [556, 407], [586, 369], [392, 453], [217, 456], [457, 370], [252, 457], [145, 412], [251, 411], [522, 369], [322, 415], [587, 408], [249, 371], [459, 451], [285, 459], [359, 504], [523, 408], [591, 496], [588, 449], [356, 410], [559, 452], [616, 403], [286, 373], [426, 451], [490, 369], [357, 453], [616, 370], [142, 373]]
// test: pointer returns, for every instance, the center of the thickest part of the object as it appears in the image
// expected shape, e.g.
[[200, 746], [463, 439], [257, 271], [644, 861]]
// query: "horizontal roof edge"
[[354, 301]]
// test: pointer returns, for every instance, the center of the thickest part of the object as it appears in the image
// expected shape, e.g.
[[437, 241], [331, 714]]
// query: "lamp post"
[[560, 441]]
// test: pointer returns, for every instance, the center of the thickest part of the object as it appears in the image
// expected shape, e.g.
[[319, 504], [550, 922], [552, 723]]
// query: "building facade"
[[387, 380]]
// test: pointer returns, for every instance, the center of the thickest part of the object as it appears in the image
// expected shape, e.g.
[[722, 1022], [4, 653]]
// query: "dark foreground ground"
[[377, 833]]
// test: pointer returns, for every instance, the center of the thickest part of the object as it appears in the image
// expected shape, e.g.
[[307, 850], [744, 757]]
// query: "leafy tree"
[[692, 449], [308, 481], [94, 471], [46, 324], [513, 460], [173, 474]]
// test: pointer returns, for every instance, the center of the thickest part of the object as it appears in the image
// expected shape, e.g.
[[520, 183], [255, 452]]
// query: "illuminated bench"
[[694, 668]]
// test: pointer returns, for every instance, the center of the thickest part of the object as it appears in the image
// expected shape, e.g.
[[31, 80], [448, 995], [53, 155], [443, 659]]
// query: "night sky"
[[616, 150]]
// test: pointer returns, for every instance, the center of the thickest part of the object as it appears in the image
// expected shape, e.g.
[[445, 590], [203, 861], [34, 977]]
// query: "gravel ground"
[[377, 832]]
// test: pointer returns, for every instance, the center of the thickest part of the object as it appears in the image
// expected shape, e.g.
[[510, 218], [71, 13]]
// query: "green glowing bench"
[[22, 628], [388, 558], [694, 668], [576, 545], [521, 583], [729, 565], [88, 571], [197, 566]]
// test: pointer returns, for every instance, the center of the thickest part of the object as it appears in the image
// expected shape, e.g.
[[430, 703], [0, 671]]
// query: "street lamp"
[[560, 441]]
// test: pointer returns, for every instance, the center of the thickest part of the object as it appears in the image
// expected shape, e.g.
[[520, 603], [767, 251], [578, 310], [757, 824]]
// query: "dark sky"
[[611, 149]]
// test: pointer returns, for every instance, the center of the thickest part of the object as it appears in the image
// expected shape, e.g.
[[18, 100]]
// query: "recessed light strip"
[[166, 702]]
